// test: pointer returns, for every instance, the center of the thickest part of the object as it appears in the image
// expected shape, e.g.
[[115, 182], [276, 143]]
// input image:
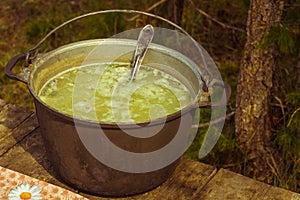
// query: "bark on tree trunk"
[[253, 128]]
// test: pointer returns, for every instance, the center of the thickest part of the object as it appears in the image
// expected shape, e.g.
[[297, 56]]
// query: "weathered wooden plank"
[[28, 157], [276, 193], [23, 151], [11, 117], [229, 185], [189, 177], [17, 134]]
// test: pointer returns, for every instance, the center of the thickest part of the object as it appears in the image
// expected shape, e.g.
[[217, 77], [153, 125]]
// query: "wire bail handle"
[[32, 53]]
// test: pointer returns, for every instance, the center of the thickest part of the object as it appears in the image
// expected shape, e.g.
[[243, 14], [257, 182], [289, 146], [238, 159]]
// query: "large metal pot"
[[68, 155], [67, 151]]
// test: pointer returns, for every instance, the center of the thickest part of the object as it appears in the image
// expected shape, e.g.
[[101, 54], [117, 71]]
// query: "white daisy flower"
[[25, 192]]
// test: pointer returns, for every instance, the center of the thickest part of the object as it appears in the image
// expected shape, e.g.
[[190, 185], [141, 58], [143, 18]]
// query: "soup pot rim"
[[92, 42]]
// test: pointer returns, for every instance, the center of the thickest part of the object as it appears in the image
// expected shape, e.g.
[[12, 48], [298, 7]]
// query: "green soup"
[[102, 92]]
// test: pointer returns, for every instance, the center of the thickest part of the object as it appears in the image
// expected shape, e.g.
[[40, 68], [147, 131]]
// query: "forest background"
[[220, 26]]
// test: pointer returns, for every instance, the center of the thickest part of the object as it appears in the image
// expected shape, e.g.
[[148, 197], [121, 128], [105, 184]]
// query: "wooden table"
[[22, 150]]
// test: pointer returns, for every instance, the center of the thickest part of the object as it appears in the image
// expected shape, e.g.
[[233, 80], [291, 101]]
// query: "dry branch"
[[148, 9], [223, 25]]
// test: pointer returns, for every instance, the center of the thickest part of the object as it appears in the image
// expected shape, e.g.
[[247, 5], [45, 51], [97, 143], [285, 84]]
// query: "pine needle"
[[291, 118]]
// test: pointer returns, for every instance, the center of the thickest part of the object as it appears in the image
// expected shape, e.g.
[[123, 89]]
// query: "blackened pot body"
[[68, 153]]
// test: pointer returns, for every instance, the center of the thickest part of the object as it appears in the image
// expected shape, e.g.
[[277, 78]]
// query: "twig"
[[274, 167], [281, 106], [148, 9], [290, 121], [278, 105], [214, 121], [217, 21]]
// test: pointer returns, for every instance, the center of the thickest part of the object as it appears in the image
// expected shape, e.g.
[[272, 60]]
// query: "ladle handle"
[[11, 64], [144, 39]]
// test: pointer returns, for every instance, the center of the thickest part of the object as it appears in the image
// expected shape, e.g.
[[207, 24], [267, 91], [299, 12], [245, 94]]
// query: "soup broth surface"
[[103, 92]]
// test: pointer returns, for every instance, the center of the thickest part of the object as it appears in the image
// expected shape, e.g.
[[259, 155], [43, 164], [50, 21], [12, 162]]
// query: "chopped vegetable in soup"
[[103, 92]]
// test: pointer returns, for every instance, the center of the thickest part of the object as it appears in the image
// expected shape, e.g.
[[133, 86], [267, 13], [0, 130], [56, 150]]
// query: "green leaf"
[[281, 36]]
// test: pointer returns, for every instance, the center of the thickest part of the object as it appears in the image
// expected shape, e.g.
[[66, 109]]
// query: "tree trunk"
[[253, 128]]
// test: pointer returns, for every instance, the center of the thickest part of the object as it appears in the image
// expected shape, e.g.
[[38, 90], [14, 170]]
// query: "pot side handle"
[[11, 64], [222, 103]]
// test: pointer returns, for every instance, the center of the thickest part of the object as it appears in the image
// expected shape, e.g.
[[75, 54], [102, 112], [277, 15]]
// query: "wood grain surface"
[[22, 150]]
